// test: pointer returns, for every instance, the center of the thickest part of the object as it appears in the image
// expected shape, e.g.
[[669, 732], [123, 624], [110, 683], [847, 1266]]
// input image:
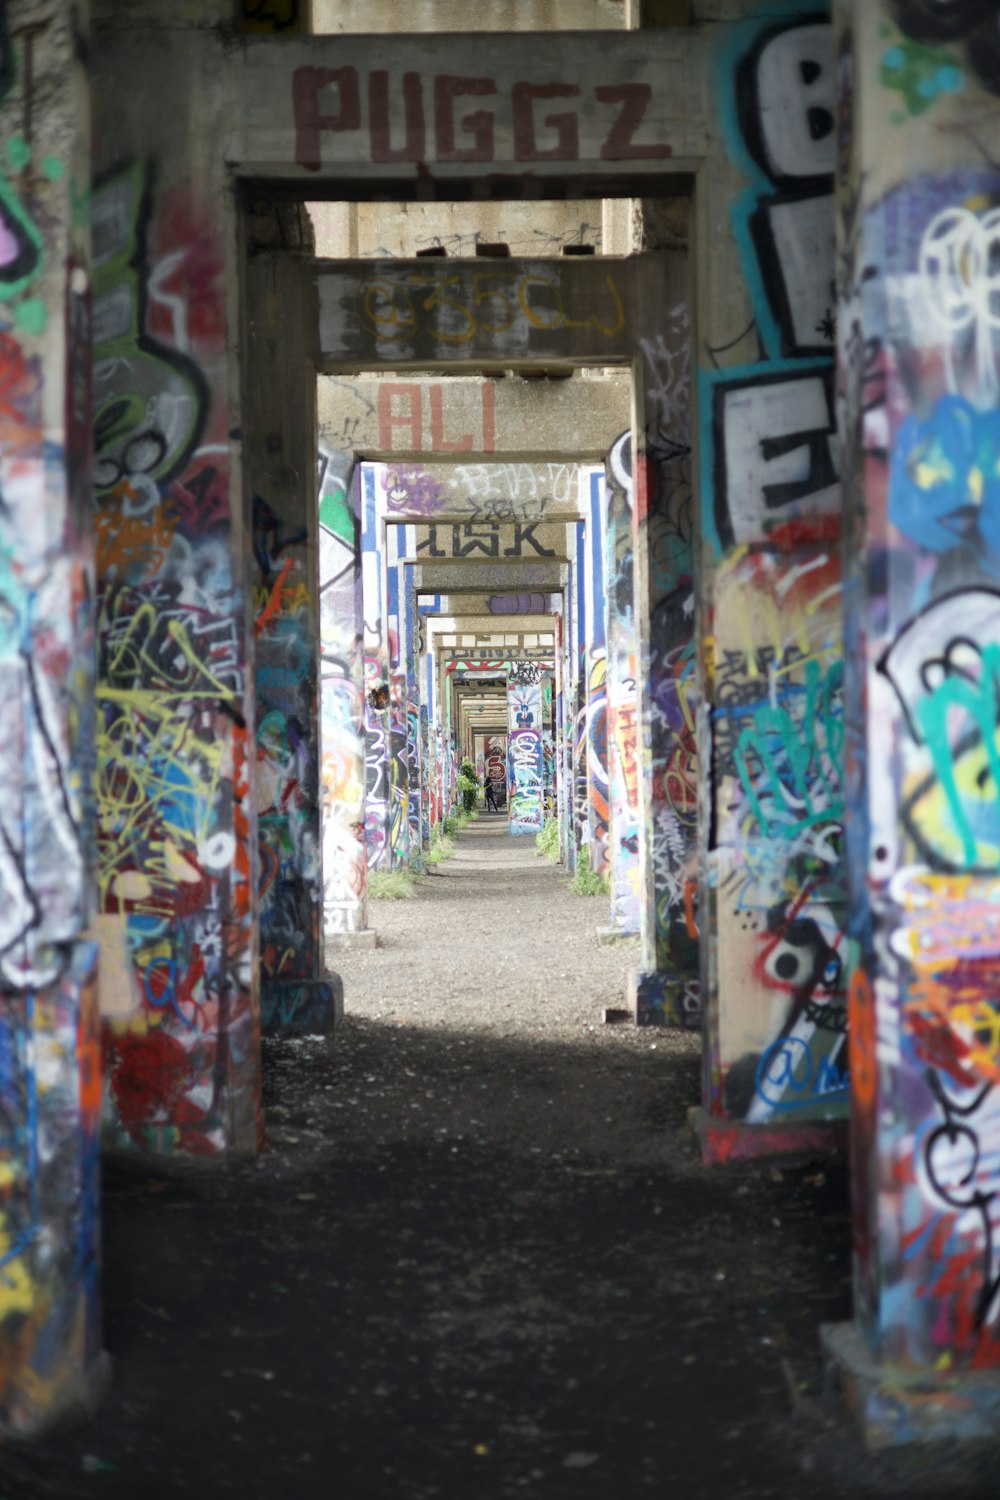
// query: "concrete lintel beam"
[[453, 578], [487, 625], [502, 609], [458, 418], [553, 313], [386, 116], [485, 491], [472, 542]]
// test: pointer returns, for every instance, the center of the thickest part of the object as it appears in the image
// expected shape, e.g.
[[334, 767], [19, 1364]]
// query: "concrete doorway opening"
[[476, 421]]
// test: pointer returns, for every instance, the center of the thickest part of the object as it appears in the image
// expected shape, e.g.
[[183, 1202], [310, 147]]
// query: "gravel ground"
[[480, 1258]]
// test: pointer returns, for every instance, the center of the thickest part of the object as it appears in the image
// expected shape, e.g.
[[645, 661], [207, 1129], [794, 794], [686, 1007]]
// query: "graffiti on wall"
[[621, 666], [481, 491], [784, 131], [50, 1072], [406, 424], [287, 781], [482, 539], [667, 533], [174, 824], [341, 700], [524, 752], [777, 764], [774, 783], [495, 755]]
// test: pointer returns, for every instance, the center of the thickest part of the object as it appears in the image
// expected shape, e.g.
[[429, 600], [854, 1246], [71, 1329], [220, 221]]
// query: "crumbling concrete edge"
[[722, 1140], [895, 1407]]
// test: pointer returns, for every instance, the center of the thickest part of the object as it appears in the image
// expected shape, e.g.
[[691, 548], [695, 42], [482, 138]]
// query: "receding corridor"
[[480, 1257]]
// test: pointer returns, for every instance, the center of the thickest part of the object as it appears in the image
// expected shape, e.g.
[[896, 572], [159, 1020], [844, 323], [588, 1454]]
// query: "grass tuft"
[[391, 885], [587, 882], [547, 842], [442, 848]]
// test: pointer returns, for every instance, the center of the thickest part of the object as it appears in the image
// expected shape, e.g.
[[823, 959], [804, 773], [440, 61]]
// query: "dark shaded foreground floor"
[[433, 1285]]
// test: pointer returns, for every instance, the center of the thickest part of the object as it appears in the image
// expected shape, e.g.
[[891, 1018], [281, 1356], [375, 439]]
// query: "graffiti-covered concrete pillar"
[[298, 995], [177, 835], [50, 1089], [524, 748], [342, 732], [664, 989], [919, 386], [593, 500], [623, 654], [772, 908]]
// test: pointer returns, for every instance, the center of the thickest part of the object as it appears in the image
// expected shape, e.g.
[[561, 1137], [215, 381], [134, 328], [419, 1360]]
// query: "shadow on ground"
[[405, 1298]]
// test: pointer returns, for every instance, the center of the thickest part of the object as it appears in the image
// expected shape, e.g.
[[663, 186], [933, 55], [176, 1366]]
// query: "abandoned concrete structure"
[[630, 427]]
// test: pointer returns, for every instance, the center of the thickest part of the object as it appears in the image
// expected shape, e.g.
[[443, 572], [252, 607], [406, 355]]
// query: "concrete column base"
[[301, 1007], [656, 998], [723, 1140], [896, 1406], [366, 938], [607, 935], [72, 1398]]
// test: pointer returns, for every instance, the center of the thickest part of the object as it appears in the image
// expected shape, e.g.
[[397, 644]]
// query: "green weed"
[[587, 882], [442, 848], [547, 842], [392, 885]]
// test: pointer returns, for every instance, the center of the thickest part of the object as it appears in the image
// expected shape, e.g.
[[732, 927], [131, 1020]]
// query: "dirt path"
[[480, 1258]]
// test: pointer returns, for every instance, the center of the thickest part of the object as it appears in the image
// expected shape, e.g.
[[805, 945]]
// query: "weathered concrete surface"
[[486, 626], [526, 227], [456, 313], [451, 578], [499, 607], [387, 418], [343, 17], [486, 491], [486, 541], [381, 113]]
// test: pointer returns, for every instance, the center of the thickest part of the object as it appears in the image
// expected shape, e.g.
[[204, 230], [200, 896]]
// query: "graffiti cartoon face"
[[945, 478]]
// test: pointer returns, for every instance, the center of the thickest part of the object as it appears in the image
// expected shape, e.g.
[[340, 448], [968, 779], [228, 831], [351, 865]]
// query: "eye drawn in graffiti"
[[411, 490], [945, 669], [806, 1064], [146, 427]]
